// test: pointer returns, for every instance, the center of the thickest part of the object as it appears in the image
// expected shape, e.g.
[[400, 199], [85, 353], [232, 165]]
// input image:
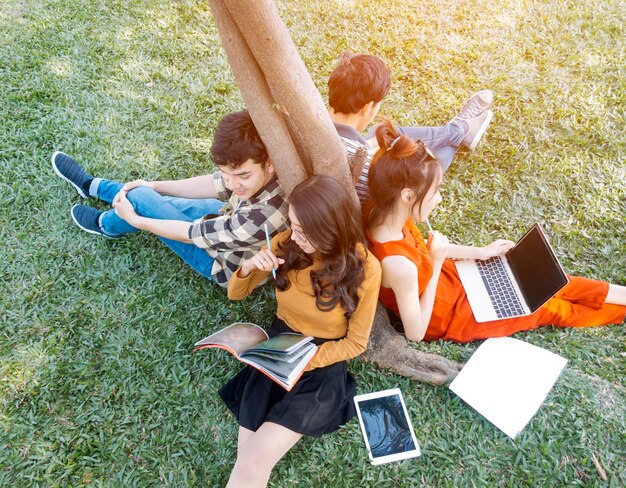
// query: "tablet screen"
[[387, 428]]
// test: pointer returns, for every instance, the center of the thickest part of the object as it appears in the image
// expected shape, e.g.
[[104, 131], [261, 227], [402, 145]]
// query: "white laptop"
[[515, 284]]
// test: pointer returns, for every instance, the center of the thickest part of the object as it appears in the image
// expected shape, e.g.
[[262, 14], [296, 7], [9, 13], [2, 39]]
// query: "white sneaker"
[[476, 114]]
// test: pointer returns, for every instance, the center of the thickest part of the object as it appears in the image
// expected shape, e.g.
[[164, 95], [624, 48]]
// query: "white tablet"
[[386, 426]]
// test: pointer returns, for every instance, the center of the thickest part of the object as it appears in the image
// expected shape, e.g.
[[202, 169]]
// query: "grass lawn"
[[98, 383]]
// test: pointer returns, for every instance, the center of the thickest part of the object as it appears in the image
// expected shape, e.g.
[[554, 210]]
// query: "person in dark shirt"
[[356, 89]]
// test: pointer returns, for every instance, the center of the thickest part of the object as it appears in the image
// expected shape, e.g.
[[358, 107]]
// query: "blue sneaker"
[[87, 219], [72, 172]]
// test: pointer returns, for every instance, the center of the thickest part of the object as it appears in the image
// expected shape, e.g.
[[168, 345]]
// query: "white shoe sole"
[[481, 131], [56, 170], [89, 231]]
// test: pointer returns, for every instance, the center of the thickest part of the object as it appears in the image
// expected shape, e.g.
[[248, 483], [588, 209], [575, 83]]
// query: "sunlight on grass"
[[18, 372], [126, 33], [61, 67], [201, 145], [143, 67]]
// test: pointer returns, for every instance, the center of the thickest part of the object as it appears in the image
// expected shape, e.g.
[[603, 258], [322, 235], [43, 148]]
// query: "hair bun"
[[393, 143]]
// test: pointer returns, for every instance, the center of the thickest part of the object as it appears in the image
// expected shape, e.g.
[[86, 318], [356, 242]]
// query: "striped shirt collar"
[[349, 132]]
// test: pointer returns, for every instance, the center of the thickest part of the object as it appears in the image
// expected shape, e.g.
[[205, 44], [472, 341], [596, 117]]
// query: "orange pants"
[[579, 304]]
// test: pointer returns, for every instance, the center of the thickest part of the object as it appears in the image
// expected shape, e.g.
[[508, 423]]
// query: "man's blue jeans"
[[149, 203], [444, 141]]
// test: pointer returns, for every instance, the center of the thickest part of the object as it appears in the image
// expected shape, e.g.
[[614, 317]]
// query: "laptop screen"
[[536, 268]]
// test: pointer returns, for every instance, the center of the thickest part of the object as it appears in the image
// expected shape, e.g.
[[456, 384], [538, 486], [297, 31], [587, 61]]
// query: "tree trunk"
[[294, 124], [291, 85], [256, 94]]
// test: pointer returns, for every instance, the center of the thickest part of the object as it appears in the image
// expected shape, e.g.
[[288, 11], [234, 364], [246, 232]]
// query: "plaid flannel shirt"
[[237, 233]]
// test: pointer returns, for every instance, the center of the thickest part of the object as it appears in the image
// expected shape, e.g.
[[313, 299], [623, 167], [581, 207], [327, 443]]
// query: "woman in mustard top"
[[420, 283], [327, 287]]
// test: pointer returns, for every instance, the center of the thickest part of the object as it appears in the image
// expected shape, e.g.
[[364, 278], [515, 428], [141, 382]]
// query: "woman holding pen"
[[327, 287], [420, 283]]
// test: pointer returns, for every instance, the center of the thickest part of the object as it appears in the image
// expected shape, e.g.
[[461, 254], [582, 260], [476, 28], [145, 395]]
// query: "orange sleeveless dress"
[[579, 304]]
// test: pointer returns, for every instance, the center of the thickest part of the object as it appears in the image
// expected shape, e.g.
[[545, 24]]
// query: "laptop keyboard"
[[499, 287]]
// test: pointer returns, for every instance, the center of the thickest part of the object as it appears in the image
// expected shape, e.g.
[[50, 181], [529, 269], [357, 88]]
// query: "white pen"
[[269, 247], [430, 227]]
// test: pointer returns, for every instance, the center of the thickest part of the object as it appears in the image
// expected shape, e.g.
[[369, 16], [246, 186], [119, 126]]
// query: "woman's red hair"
[[401, 162]]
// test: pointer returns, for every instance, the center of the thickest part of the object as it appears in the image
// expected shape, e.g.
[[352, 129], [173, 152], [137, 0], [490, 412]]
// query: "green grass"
[[98, 383]]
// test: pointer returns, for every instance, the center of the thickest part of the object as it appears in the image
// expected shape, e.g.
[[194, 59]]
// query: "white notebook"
[[506, 380]]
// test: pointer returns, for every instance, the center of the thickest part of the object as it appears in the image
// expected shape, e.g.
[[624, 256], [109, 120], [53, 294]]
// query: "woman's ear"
[[406, 195]]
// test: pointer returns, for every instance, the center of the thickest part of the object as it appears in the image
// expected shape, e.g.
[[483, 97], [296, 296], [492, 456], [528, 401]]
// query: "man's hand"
[[176, 230], [136, 183], [123, 208]]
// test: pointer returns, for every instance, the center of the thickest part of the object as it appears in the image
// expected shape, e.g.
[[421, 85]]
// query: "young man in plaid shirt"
[[213, 222]]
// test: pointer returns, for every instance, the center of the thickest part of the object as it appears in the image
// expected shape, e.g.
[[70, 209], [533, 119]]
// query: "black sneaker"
[[71, 171], [87, 219]]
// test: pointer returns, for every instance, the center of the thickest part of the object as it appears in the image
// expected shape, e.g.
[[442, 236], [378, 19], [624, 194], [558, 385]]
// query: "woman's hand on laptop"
[[496, 248]]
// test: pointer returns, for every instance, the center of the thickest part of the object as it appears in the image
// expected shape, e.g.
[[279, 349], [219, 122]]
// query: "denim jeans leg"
[[445, 155], [444, 140], [194, 208], [191, 254], [105, 190], [149, 203]]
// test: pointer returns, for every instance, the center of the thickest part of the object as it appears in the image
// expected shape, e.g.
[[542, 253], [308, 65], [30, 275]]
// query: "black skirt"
[[320, 402]]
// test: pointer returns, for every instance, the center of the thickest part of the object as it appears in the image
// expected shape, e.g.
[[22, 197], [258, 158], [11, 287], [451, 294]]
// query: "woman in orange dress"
[[420, 283]]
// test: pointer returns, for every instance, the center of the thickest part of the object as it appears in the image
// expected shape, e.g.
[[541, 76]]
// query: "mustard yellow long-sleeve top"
[[296, 307]]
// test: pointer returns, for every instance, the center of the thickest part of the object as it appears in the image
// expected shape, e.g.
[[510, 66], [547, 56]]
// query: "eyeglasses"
[[298, 233]]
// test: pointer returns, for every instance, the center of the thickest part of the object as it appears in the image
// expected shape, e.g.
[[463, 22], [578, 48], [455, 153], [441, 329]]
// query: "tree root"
[[389, 349]]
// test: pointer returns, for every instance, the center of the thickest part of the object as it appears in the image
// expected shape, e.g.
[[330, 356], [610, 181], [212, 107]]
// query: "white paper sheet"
[[506, 380]]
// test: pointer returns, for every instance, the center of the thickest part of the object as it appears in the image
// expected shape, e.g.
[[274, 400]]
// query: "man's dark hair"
[[236, 140], [357, 80]]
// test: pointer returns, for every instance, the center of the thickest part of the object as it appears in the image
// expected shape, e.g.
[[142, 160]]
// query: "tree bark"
[[294, 124]]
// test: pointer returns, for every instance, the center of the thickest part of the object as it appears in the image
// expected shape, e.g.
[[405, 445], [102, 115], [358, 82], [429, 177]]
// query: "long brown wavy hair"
[[401, 162], [331, 223]]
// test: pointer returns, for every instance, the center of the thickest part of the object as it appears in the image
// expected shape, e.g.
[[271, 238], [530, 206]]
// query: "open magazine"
[[282, 358]]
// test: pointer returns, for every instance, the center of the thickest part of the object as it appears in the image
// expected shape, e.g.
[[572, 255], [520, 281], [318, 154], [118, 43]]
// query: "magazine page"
[[286, 382], [278, 364], [287, 357], [235, 338], [282, 358], [284, 343]]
